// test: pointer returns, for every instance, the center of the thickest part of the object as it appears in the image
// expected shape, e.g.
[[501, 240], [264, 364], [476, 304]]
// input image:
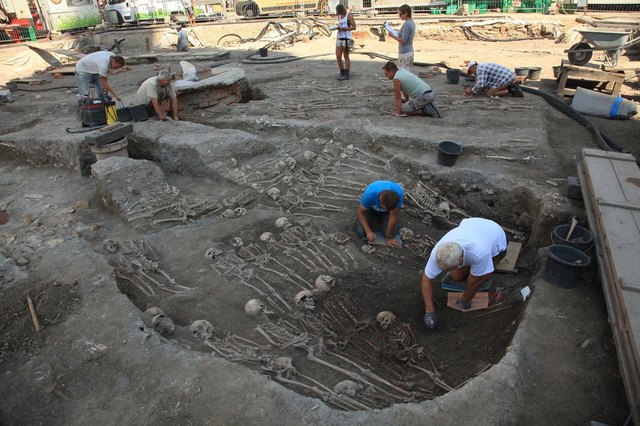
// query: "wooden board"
[[508, 262], [480, 301], [611, 182], [63, 70], [610, 81]]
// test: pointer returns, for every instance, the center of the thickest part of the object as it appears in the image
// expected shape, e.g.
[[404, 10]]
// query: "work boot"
[[431, 111], [515, 90], [430, 320], [341, 76], [346, 75]]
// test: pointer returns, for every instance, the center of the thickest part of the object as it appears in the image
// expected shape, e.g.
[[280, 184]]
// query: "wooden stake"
[[574, 222], [34, 316]]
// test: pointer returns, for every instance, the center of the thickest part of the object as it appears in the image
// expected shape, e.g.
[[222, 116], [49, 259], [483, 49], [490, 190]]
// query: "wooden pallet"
[[607, 81], [611, 192]]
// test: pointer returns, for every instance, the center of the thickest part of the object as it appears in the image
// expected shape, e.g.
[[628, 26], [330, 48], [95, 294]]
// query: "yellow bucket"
[[111, 113]]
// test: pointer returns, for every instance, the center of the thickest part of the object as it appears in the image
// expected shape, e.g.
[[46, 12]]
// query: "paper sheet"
[[391, 30], [333, 28]]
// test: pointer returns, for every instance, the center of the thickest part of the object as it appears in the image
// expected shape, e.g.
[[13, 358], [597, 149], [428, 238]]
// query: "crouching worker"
[[469, 253], [418, 94], [493, 80], [157, 93], [379, 209]]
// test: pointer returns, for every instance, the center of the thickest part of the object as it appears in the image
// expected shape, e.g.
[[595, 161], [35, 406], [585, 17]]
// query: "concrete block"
[[109, 134]]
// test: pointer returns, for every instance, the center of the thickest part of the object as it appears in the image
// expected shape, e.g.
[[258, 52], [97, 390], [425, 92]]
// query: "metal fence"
[[18, 33]]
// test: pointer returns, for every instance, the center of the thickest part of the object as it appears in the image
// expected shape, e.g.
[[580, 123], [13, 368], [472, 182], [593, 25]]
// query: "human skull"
[[325, 283], [290, 162], [156, 318], [305, 300], [406, 234], [232, 162], [367, 248], [254, 308], [385, 319], [202, 329], [274, 193], [237, 242], [283, 222], [347, 387], [239, 211], [228, 213], [287, 180], [259, 188], [266, 236], [309, 155], [444, 208], [281, 165], [282, 365], [212, 253], [110, 246]]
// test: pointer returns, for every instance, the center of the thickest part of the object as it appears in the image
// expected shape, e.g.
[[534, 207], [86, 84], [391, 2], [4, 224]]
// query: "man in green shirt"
[[418, 94], [156, 90]]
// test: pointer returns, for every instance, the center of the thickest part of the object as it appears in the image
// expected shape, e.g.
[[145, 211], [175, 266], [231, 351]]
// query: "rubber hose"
[[88, 129], [606, 143]]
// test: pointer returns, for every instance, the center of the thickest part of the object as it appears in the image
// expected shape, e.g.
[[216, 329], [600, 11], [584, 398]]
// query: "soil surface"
[[102, 355]]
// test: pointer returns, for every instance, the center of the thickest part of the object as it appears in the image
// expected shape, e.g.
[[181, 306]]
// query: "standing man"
[[405, 38], [188, 8], [346, 24], [493, 80], [468, 252], [419, 94], [156, 90], [183, 42], [94, 68], [380, 208]]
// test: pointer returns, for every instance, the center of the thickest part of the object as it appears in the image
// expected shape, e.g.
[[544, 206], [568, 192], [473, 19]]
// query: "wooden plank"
[[590, 152], [480, 301], [508, 262], [627, 346]]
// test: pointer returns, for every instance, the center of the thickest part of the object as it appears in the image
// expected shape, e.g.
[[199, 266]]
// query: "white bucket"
[[115, 149], [602, 105]]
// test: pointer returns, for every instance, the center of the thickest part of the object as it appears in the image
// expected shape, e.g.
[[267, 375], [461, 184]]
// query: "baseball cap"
[[472, 63]]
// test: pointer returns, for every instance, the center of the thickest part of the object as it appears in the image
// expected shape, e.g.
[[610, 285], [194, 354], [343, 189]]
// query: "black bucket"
[[263, 52], [522, 71], [534, 73], [448, 153], [453, 76], [124, 114], [139, 113], [564, 265], [581, 238]]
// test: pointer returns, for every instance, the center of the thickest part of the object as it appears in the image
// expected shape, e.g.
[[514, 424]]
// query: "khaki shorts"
[[405, 61], [417, 103]]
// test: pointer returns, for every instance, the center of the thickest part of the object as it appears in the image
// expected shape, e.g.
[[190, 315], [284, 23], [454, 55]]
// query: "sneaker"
[[463, 304], [515, 90], [431, 111], [430, 320]]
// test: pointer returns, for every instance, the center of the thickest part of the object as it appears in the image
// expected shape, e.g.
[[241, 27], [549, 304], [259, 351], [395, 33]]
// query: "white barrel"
[[602, 105]]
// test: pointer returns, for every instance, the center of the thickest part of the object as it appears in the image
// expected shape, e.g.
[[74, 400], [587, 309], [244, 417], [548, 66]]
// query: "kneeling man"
[[412, 95], [468, 252], [380, 208], [158, 90]]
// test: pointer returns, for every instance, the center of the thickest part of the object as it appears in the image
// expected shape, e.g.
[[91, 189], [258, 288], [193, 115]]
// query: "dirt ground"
[[99, 357]]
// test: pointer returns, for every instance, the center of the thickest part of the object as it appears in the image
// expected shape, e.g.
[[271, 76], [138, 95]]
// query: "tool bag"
[[91, 112]]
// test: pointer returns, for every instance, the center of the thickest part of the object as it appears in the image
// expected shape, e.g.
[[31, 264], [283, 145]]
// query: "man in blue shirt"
[[380, 205], [493, 80]]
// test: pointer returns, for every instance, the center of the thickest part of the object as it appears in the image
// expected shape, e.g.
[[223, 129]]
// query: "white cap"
[[472, 63]]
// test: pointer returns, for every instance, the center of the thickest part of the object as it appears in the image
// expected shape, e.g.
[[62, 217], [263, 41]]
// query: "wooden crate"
[[604, 80]]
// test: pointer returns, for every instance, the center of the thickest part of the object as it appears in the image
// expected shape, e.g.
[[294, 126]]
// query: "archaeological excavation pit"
[[261, 266]]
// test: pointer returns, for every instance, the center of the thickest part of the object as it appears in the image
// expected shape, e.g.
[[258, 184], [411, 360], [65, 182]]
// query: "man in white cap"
[[183, 41], [492, 80]]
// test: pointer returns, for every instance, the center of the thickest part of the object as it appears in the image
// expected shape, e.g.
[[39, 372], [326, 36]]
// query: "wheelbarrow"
[[611, 42]]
